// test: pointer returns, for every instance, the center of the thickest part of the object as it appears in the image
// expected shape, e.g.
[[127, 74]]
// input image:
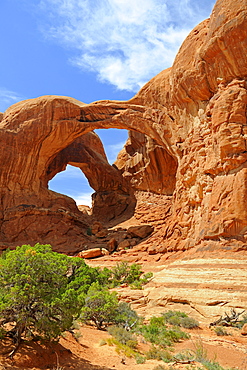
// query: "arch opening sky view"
[[89, 50]]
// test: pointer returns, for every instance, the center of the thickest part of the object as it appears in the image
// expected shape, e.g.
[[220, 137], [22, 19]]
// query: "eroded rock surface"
[[194, 115], [147, 165]]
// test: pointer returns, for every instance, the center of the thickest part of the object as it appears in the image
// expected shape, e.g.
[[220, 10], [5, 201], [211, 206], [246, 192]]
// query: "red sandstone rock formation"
[[195, 117], [147, 165]]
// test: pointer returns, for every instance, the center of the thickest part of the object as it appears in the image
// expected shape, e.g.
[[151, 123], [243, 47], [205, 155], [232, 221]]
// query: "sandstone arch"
[[40, 137], [113, 195]]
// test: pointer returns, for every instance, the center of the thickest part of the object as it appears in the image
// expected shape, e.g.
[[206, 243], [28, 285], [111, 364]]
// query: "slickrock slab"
[[207, 288]]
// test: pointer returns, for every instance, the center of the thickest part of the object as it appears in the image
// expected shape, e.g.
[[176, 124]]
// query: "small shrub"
[[220, 331], [123, 336], [125, 273], [124, 349], [174, 320], [125, 316], [132, 343], [3, 333], [146, 277], [102, 342], [136, 285], [189, 323], [89, 231], [179, 318], [185, 355], [212, 365], [169, 314], [140, 359], [202, 357], [200, 351], [157, 332], [159, 354], [110, 341], [100, 306]]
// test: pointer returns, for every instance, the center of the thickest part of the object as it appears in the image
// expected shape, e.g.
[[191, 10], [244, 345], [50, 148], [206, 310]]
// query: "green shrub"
[[40, 291], [189, 323], [104, 276], [100, 306], [125, 273], [89, 231], [202, 357], [170, 314], [200, 351], [140, 359], [125, 316], [123, 348], [137, 284], [185, 355], [132, 343], [123, 336], [220, 331], [110, 341], [159, 354], [158, 333], [179, 318], [212, 365]]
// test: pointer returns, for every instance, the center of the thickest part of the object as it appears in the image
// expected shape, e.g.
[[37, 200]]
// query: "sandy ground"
[[87, 353]]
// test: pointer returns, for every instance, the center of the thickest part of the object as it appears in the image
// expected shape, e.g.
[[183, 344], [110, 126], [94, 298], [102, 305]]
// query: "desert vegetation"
[[44, 292]]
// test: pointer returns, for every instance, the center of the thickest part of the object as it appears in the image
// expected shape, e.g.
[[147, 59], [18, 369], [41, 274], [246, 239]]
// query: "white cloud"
[[73, 183], [126, 42], [113, 150], [83, 199], [71, 172], [7, 98]]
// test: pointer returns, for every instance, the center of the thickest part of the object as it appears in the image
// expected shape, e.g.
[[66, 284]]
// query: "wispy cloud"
[[113, 150], [126, 42], [72, 182], [84, 199], [71, 172], [7, 98]]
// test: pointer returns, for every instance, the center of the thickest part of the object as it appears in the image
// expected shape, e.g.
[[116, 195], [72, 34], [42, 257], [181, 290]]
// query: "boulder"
[[141, 231], [102, 233], [112, 245], [124, 244], [91, 253]]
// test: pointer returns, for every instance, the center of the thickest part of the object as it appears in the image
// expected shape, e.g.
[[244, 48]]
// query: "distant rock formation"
[[188, 131]]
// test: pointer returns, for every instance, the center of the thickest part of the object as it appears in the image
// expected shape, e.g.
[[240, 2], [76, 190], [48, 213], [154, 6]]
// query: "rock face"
[[187, 142], [147, 165], [203, 287]]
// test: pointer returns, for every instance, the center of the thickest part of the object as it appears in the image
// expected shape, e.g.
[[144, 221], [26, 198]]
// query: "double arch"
[[42, 136]]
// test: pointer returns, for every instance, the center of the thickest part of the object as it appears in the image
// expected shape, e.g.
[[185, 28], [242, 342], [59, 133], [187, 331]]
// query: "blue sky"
[[89, 50]]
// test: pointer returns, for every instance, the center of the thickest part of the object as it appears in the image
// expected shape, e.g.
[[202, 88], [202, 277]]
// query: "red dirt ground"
[[86, 353]]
